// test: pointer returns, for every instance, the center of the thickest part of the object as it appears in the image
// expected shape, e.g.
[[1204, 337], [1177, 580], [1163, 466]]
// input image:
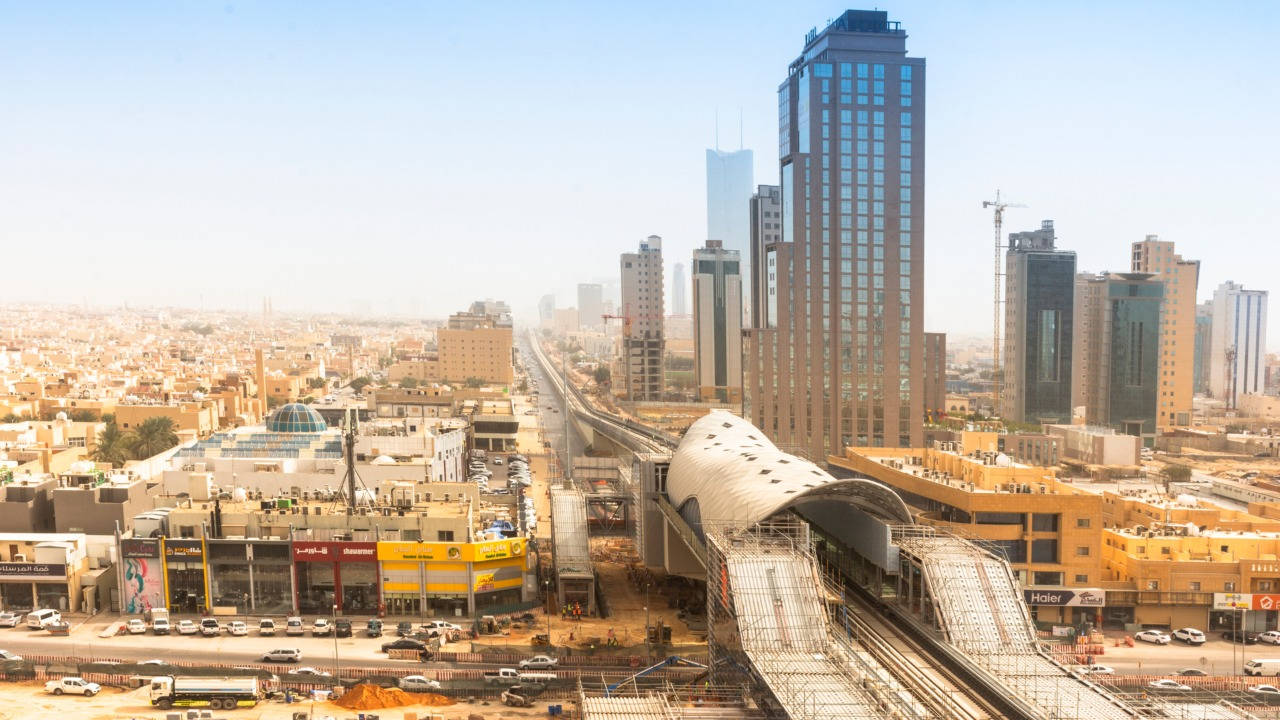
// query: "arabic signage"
[[139, 548], [184, 549], [335, 551], [26, 571], [1080, 597], [1232, 601], [451, 552]]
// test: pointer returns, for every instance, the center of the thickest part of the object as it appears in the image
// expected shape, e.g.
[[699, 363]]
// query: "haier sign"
[[1084, 597]]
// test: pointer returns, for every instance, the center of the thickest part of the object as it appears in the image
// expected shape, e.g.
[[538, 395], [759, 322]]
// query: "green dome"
[[296, 418]]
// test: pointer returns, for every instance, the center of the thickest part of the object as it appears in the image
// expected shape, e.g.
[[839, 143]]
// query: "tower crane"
[[997, 375]]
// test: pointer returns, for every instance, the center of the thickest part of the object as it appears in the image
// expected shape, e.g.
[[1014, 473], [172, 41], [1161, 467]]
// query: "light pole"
[[546, 606], [334, 629]]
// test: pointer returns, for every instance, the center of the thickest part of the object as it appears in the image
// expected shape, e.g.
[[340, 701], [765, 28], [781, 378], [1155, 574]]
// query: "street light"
[[546, 606], [334, 630]]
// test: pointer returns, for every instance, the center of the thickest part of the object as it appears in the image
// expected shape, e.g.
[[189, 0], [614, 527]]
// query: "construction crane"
[[997, 377], [626, 322]]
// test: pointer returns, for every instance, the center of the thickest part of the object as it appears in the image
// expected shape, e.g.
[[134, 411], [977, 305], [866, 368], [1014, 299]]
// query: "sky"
[[410, 157]]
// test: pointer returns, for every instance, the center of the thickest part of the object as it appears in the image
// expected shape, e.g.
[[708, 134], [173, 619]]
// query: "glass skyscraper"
[[840, 361]]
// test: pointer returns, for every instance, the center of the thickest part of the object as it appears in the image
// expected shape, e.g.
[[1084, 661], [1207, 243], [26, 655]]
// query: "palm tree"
[[153, 436], [113, 445]]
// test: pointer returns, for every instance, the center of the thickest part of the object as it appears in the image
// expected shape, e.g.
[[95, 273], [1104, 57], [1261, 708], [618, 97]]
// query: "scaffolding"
[[668, 702], [768, 624], [571, 550]]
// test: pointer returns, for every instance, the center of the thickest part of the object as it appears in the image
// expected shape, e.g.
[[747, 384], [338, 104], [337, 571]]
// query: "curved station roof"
[[726, 470]]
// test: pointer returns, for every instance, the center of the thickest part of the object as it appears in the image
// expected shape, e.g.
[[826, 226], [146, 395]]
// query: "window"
[[1194, 586], [1153, 584], [444, 536], [1046, 578], [1083, 522], [1082, 579], [1229, 586], [1044, 522], [1044, 551], [1082, 551], [1050, 330]]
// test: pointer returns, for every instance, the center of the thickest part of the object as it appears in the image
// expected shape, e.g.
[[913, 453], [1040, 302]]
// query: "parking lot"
[[1215, 656]]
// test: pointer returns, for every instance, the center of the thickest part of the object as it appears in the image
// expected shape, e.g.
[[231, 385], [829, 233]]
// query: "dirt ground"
[[28, 701]]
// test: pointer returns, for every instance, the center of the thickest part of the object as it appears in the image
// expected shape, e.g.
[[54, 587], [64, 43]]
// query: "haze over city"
[[394, 157]]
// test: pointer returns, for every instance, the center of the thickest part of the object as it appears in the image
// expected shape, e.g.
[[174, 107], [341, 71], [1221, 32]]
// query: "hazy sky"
[[414, 156]]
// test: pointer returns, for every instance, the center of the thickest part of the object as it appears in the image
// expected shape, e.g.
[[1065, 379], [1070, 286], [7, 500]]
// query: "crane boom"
[[997, 375]]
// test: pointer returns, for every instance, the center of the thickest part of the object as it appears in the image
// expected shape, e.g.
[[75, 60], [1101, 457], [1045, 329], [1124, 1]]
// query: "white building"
[[643, 305], [717, 322], [1238, 350]]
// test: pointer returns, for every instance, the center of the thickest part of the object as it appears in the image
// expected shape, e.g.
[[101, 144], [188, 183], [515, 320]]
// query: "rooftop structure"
[[575, 579], [296, 418]]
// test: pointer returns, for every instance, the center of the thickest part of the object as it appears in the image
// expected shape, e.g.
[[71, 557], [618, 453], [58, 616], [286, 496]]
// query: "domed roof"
[[296, 418]]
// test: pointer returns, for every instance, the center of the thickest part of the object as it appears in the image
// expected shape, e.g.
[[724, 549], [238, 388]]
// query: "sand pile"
[[371, 697]]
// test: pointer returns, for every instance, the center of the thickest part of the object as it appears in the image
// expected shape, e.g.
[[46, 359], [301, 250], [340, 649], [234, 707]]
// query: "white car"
[[293, 626], [186, 627], [1168, 685], [539, 662], [1153, 636], [321, 627], [72, 686], [267, 626], [235, 627], [136, 627], [283, 655], [418, 683], [209, 627], [1190, 636], [311, 671], [7, 656], [8, 619], [1270, 637], [1096, 670], [1270, 690], [441, 625], [152, 661]]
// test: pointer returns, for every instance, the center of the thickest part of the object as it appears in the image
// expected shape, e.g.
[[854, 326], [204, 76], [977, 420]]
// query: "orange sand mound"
[[371, 697]]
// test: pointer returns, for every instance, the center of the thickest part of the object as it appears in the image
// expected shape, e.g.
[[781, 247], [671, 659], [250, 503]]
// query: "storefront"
[[336, 573], [185, 576], [250, 576], [142, 572], [1080, 608], [452, 579], [35, 585], [1252, 612]]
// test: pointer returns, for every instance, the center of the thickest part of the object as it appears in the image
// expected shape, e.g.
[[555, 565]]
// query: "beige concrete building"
[[200, 418], [1177, 326], [480, 352], [643, 303]]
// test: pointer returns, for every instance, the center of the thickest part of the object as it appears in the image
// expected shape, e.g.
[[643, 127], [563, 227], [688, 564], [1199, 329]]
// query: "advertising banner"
[[357, 551], [31, 571], [1233, 601], [140, 548], [1080, 597], [143, 584], [184, 549], [313, 552], [451, 552]]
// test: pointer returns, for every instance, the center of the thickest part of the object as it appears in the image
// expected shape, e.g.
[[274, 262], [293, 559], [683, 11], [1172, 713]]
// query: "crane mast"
[[997, 375]]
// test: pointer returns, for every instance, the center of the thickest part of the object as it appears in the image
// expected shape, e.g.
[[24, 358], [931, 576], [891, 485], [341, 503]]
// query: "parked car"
[[404, 629], [7, 656], [342, 627], [9, 619], [152, 661], [404, 643], [72, 686], [546, 662], [1167, 685], [441, 625], [320, 627], [1152, 636], [418, 683], [160, 626], [1193, 672], [373, 628], [135, 626], [293, 626], [1270, 637], [186, 627], [283, 655], [497, 461], [311, 671], [1096, 670], [1190, 636], [266, 626], [1269, 690], [209, 627], [39, 619], [1239, 635], [237, 628]]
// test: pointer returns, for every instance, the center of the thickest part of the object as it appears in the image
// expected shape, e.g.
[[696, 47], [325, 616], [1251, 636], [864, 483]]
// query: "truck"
[[506, 676], [219, 693]]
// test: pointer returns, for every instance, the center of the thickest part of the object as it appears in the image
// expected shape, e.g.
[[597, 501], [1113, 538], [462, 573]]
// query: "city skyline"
[[172, 143]]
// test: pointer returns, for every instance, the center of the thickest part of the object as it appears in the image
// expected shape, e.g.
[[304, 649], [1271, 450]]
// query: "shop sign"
[[1265, 601], [1083, 597], [498, 550], [312, 552], [357, 551], [139, 548], [1233, 601], [455, 552], [184, 549], [20, 571], [484, 582]]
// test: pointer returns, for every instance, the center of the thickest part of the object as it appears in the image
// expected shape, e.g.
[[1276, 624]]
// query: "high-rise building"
[[1177, 322], [1204, 342], [1238, 350], [766, 229], [590, 305], [935, 376], [1039, 301], [477, 344], [643, 304], [546, 308], [717, 323], [729, 183], [841, 361], [678, 304], [1116, 350]]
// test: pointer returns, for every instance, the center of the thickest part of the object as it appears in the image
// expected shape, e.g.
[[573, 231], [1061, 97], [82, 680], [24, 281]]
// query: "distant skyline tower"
[[590, 305], [766, 229], [1238, 342], [1038, 319], [643, 303], [844, 363], [729, 187], [1177, 321], [717, 323], [678, 304], [1115, 345]]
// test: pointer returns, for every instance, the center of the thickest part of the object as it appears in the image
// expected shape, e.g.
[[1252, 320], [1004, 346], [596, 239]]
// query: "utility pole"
[[349, 441], [997, 377]]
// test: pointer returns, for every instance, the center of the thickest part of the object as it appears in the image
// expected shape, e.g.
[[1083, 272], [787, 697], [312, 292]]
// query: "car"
[[186, 627], [441, 625], [1096, 670], [72, 686], [311, 671], [283, 655], [1188, 635], [1270, 690], [1239, 635], [373, 628], [9, 619], [404, 629], [546, 662], [404, 643], [266, 626], [1167, 684], [497, 461], [209, 627], [500, 491], [235, 627], [1152, 636], [160, 626], [7, 656], [321, 627], [1192, 672], [135, 626], [293, 626], [418, 683], [342, 627]]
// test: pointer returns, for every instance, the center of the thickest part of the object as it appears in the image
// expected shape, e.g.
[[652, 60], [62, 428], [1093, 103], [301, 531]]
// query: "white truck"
[[219, 693], [507, 676]]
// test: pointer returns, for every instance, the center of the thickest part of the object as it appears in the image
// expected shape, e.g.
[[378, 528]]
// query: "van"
[[1269, 666], [40, 618], [293, 626]]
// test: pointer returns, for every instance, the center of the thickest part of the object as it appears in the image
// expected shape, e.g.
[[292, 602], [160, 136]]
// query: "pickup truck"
[[508, 676], [72, 686]]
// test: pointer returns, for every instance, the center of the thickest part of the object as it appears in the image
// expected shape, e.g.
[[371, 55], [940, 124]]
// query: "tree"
[[360, 383], [601, 374], [113, 445], [316, 383], [108, 417], [152, 437], [10, 418], [408, 382], [1177, 473], [83, 416]]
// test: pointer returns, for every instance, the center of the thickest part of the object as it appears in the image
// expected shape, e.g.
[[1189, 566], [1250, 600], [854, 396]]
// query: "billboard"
[[1080, 597], [143, 584], [451, 552], [31, 571]]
